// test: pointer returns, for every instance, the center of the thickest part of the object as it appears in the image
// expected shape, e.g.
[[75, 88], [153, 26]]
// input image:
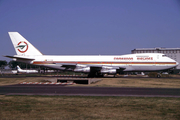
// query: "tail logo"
[[22, 47]]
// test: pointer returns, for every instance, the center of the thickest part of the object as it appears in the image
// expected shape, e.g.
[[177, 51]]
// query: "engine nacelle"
[[81, 66], [86, 69], [108, 71]]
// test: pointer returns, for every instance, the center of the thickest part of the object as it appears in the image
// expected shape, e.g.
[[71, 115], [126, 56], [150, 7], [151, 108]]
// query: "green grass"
[[139, 82], [78, 107], [84, 107]]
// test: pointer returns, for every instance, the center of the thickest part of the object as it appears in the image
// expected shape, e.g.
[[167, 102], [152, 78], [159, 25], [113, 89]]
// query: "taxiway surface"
[[87, 91]]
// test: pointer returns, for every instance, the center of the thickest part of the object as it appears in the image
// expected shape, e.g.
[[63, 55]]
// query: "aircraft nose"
[[177, 63]]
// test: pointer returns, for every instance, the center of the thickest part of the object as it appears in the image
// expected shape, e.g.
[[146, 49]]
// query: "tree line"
[[13, 64]]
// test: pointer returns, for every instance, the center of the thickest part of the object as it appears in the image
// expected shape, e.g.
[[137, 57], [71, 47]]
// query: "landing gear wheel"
[[158, 75], [95, 74]]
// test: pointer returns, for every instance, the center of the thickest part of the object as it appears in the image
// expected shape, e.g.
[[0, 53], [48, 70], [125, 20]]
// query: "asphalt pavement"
[[32, 89]]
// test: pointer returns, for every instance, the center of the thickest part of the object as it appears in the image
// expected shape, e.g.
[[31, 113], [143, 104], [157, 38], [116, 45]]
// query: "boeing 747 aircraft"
[[93, 65]]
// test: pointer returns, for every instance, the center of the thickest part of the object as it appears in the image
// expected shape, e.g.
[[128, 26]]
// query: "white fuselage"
[[130, 62]]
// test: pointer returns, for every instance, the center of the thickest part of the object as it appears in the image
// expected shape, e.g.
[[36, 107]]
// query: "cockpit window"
[[163, 55]]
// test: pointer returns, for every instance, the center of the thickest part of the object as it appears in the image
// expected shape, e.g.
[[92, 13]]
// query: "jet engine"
[[82, 68], [111, 71], [108, 70]]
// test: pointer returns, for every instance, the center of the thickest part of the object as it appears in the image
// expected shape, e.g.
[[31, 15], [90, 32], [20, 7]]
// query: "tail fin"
[[22, 46], [18, 68]]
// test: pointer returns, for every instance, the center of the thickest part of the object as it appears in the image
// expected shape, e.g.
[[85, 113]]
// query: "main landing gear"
[[95, 74], [158, 75]]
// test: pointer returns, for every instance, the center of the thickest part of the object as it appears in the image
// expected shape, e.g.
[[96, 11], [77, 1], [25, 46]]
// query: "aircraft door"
[[154, 62]]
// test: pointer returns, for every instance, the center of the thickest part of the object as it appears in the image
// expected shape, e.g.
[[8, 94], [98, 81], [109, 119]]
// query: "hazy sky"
[[90, 27]]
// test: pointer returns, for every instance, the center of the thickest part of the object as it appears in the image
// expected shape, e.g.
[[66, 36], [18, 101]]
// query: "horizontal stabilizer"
[[17, 57]]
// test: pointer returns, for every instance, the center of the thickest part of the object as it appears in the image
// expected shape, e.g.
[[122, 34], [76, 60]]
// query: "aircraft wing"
[[66, 65], [21, 58], [73, 65], [90, 68]]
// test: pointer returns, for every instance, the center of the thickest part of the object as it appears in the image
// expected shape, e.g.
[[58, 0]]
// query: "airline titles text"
[[131, 58]]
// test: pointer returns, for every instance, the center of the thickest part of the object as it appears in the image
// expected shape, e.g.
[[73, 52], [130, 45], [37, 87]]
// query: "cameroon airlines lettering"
[[131, 58], [145, 58], [123, 58], [93, 65]]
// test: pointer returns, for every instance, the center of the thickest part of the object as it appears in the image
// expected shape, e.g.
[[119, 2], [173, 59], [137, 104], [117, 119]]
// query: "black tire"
[[158, 75]]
